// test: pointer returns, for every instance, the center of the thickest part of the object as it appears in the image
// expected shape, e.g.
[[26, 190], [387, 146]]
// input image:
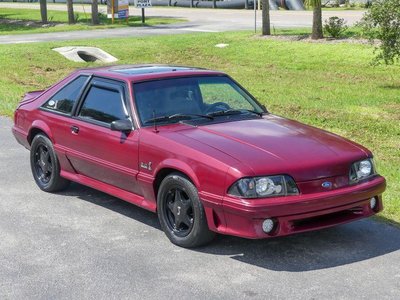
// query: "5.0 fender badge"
[[146, 166]]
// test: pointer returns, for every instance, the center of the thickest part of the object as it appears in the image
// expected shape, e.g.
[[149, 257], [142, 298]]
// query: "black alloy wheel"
[[43, 164], [181, 212]]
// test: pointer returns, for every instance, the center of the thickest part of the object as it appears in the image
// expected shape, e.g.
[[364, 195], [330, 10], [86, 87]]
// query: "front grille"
[[328, 219]]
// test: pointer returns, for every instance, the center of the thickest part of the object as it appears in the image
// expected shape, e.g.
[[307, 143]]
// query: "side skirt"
[[111, 190]]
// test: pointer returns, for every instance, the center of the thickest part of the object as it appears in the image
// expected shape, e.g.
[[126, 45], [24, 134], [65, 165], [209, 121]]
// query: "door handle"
[[74, 129]]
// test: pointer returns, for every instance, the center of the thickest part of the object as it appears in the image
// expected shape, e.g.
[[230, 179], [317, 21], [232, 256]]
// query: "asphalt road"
[[199, 20], [85, 244]]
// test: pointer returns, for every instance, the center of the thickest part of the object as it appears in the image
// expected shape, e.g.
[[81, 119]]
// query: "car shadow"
[[112, 203], [341, 245]]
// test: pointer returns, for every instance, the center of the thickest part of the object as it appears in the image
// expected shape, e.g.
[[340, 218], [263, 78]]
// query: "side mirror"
[[121, 125]]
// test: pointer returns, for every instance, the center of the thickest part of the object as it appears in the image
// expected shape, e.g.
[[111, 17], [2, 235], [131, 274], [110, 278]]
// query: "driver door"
[[96, 151]]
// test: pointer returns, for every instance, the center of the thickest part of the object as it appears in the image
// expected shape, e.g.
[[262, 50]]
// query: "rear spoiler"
[[30, 96]]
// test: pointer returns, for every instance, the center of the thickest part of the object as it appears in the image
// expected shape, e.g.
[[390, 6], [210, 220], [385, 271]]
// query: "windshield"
[[192, 98]]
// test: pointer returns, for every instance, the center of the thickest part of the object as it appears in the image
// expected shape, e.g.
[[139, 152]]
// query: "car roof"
[[144, 72]]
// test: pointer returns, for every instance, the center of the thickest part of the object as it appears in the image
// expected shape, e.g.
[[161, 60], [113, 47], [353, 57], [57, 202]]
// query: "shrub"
[[335, 26], [382, 22]]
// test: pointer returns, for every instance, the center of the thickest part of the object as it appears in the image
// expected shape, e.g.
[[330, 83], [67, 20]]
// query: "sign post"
[[118, 9], [112, 10], [255, 16], [142, 4]]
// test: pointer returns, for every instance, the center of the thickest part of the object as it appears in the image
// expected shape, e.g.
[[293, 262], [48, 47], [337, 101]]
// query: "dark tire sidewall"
[[52, 185]]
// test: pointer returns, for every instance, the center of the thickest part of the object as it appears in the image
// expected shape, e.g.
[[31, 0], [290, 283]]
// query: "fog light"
[[268, 225], [372, 203]]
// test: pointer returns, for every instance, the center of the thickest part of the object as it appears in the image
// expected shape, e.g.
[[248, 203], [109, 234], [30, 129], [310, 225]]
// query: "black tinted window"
[[103, 105], [192, 95], [63, 101]]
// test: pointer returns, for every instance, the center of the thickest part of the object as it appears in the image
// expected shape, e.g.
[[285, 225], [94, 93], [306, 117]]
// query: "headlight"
[[362, 169], [260, 187]]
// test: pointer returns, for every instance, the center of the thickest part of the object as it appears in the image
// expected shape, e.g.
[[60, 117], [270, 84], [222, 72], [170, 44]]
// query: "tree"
[[71, 16], [95, 12], [266, 24], [317, 19], [382, 22], [43, 11]]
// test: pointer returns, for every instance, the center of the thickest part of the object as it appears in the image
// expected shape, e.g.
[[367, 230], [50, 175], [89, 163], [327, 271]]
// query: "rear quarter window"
[[63, 101]]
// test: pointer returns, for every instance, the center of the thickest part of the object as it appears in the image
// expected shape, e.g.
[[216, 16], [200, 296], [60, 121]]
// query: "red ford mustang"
[[198, 149]]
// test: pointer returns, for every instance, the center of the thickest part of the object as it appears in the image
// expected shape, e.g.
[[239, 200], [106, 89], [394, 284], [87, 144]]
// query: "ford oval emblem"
[[327, 184]]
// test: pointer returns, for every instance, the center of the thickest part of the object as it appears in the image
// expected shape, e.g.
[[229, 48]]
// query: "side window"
[[63, 101], [103, 105]]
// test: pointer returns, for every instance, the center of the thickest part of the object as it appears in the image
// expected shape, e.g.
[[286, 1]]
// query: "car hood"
[[275, 145]]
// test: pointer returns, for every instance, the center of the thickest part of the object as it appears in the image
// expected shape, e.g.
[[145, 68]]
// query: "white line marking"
[[197, 30], [18, 42]]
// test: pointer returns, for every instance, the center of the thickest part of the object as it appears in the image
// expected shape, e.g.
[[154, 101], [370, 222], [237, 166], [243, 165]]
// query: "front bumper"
[[293, 214]]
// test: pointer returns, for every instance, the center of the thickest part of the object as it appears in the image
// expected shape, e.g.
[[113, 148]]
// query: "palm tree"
[[71, 17], [317, 19], [95, 12], [266, 24], [43, 11]]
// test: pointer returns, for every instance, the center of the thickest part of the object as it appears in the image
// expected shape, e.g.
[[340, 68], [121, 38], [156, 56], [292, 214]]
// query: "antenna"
[[155, 123]]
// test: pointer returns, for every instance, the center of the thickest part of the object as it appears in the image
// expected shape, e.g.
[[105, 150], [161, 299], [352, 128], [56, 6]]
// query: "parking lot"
[[86, 244]]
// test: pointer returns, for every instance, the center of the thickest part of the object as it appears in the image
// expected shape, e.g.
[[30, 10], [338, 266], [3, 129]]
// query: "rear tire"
[[45, 165], [181, 213]]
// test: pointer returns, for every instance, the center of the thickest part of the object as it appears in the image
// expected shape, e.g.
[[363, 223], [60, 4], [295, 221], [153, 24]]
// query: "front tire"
[[181, 212], [45, 166]]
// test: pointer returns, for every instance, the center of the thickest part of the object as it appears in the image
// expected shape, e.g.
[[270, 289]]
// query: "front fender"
[[171, 163]]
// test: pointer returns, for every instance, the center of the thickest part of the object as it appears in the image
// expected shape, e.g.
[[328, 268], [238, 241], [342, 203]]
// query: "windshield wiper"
[[229, 112], [255, 112], [226, 112], [177, 117]]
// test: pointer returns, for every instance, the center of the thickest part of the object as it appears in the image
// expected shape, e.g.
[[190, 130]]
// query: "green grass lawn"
[[350, 32], [58, 21], [331, 86]]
